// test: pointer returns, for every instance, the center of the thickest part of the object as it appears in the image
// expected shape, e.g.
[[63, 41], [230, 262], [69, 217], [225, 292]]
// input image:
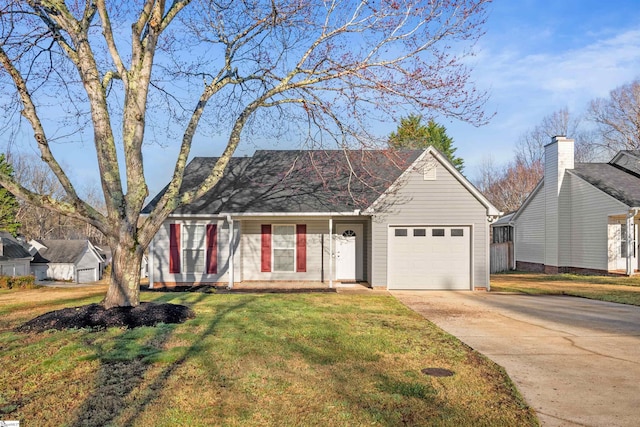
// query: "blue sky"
[[536, 57], [540, 56]]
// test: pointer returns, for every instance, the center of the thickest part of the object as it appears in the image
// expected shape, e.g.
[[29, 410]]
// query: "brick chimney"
[[558, 157]]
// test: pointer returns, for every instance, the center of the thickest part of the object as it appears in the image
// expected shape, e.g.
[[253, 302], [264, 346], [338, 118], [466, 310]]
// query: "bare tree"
[[228, 67], [617, 118], [41, 223], [509, 186], [530, 147]]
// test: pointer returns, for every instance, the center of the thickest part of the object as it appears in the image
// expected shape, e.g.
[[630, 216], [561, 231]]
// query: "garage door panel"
[[435, 257]]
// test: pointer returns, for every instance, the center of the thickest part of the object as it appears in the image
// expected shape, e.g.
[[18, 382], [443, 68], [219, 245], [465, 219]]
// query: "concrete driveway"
[[575, 361]]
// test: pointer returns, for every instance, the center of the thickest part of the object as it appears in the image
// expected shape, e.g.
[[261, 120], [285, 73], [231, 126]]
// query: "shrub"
[[18, 282]]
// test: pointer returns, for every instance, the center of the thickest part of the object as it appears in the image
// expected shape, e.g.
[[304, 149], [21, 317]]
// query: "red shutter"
[[174, 248], [301, 248], [265, 251], [212, 249]]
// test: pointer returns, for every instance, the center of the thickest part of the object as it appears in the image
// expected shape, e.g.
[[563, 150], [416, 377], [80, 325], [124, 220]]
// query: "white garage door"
[[429, 257], [87, 275]]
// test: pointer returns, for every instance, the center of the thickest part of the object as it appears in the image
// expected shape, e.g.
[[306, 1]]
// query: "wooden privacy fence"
[[501, 257]]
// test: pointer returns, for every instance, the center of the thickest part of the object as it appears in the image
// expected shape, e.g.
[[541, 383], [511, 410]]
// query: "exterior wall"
[[443, 201], [590, 211], [247, 243], [582, 229], [54, 271], [159, 267], [529, 231], [89, 260], [318, 253], [15, 267]]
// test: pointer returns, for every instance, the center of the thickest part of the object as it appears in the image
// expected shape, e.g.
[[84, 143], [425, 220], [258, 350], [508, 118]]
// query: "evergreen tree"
[[8, 202], [411, 133]]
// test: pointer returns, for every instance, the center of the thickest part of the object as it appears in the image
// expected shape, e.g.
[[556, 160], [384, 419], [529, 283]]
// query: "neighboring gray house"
[[397, 220], [69, 260], [581, 217], [14, 258]]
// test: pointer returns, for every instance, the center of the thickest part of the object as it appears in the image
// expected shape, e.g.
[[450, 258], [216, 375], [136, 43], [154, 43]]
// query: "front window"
[[284, 248], [193, 253]]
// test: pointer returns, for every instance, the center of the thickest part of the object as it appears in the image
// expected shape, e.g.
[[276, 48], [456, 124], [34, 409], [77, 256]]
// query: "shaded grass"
[[625, 290], [270, 359]]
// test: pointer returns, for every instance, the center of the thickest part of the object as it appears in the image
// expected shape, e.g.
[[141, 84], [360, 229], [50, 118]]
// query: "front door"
[[348, 240]]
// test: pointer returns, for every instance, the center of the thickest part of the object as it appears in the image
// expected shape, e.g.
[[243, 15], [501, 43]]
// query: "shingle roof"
[[292, 181], [615, 181], [60, 251], [11, 248]]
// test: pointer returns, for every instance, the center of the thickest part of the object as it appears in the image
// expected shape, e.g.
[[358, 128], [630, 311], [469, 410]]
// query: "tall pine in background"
[[411, 133], [8, 202]]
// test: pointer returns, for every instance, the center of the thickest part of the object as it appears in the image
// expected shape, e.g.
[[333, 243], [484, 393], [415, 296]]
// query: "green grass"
[[249, 359], [624, 290]]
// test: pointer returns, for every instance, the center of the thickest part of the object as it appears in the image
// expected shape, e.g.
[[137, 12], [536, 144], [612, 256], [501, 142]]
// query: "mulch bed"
[[96, 316]]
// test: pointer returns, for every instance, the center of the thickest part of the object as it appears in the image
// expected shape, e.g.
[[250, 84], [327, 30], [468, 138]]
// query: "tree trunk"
[[124, 288]]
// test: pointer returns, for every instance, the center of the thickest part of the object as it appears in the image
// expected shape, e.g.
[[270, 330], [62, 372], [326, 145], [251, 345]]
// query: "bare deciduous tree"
[[40, 223], [618, 118], [530, 147], [226, 67], [509, 186]]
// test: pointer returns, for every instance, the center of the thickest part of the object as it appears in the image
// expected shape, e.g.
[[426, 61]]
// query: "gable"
[[433, 178]]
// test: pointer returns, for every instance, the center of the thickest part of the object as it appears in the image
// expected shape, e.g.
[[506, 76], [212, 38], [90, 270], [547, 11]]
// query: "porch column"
[[631, 241], [330, 252], [150, 263], [231, 278]]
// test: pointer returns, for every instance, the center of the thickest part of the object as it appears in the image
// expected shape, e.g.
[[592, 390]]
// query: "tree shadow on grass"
[[120, 380]]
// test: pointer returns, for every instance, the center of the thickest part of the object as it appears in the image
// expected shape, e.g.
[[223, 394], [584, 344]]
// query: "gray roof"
[[60, 251], [504, 220], [295, 181], [619, 183], [11, 248]]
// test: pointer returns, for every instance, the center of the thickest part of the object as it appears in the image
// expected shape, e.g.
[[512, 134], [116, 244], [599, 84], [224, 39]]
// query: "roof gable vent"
[[430, 168]]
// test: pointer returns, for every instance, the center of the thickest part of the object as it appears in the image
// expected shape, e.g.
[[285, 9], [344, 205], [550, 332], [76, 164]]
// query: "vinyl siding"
[[160, 263], [317, 249], [529, 230], [443, 201], [590, 211], [88, 260]]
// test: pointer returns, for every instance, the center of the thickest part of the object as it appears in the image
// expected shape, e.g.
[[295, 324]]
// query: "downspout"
[[631, 232], [330, 253], [513, 242], [231, 252]]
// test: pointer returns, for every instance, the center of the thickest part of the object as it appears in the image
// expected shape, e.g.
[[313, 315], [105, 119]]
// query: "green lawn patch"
[[253, 359], [620, 289]]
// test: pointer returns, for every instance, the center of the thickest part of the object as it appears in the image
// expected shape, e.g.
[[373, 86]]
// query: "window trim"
[[199, 247], [274, 248]]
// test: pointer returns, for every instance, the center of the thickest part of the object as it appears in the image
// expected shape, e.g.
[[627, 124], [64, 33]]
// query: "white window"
[[193, 248], [284, 247]]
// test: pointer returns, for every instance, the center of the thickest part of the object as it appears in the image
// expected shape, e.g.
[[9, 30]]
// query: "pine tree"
[[411, 133], [8, 202]]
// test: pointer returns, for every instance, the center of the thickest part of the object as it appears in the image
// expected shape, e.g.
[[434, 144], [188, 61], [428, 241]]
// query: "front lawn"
[[621, 289], [248, 359]]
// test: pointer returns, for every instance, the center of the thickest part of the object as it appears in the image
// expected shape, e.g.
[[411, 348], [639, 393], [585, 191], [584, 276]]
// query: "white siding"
[[590, 210], [14, 267], [160, 268], [443, 201], [529, 230], [317, 250]]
